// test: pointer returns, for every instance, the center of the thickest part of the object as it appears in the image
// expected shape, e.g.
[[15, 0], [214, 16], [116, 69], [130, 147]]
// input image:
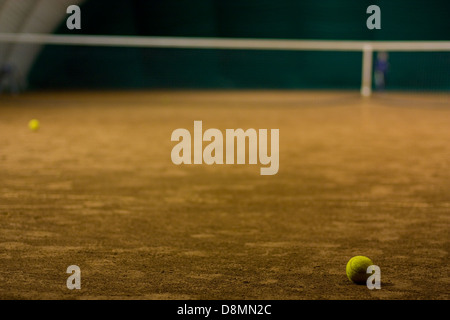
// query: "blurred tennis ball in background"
[[357, 269], [34, 125]]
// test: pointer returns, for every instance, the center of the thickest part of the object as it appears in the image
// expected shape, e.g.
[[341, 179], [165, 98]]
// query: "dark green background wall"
[[92, 67]]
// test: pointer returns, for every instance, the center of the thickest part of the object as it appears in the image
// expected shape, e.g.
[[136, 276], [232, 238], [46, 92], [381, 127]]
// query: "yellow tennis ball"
[[357, 269], [33, 125]]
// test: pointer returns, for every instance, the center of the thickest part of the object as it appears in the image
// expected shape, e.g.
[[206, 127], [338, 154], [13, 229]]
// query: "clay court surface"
[[96, 187]]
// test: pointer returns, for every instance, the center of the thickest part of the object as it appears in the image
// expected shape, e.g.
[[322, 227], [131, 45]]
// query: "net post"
[[366, 81]]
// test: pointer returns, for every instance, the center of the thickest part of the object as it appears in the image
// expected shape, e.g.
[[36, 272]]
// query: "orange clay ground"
[[96, 187]]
